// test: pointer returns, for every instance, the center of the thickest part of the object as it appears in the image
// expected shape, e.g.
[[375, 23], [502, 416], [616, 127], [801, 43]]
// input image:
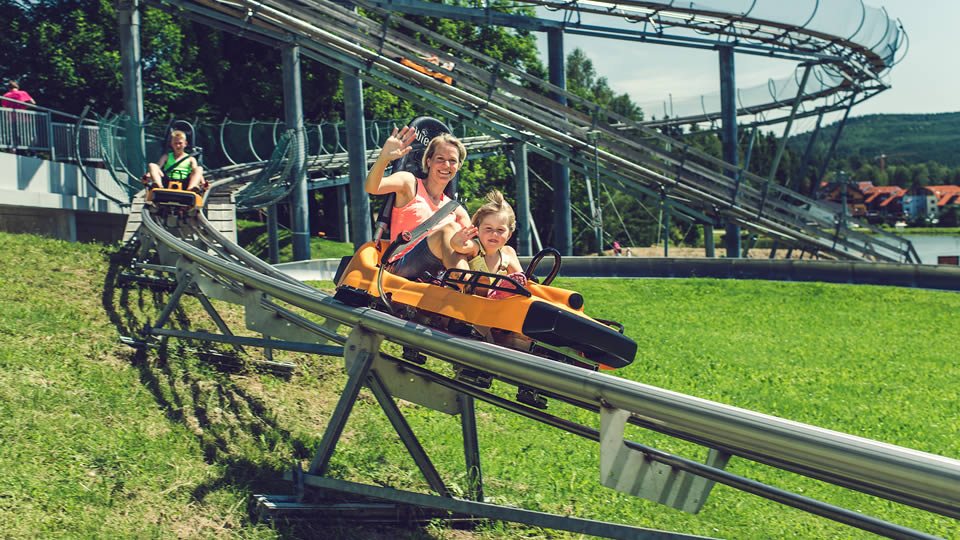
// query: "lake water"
[[931, 247]]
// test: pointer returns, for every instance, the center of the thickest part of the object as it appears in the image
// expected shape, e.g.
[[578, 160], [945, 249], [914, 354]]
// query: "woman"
[[419, 198]]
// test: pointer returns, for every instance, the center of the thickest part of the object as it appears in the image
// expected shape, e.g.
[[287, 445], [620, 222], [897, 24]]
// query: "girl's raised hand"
[[462, 240]]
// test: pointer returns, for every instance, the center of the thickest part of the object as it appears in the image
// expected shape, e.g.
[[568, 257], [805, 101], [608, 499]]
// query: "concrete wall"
[[54, 199], [921, 276]]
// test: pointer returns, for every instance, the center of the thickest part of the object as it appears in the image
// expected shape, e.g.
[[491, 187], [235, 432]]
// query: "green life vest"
[[180, 172]]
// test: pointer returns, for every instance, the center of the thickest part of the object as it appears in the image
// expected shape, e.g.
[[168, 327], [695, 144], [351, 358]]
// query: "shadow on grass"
[[235, 430]]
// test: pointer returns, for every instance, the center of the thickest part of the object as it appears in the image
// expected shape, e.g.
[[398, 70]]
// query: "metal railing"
[[48, 131], [224, 271]]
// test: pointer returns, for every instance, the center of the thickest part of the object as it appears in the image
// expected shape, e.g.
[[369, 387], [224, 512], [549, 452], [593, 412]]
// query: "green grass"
[[102, 441], [926, 231], [253, 236]]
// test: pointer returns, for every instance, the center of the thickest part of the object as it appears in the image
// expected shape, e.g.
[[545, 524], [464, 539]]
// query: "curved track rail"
[[208, 265], [851, 46]]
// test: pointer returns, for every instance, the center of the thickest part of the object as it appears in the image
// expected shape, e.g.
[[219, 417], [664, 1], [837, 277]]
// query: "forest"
[[905, 150], [66, 54]]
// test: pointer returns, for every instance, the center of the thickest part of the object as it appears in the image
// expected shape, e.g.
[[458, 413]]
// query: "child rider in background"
[[176, 165]]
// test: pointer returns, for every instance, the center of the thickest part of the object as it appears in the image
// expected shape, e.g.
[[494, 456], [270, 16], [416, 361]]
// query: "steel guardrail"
[[912, 477]]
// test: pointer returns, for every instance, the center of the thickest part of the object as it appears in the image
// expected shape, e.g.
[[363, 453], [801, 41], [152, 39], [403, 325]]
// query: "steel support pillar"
[[595, 207], [665, 212], [293, 113], [343, 225], [361, 231], [471, 447], [746, 163], [786, 131], [521, 181], [728, 133], [273, 238], [406, 435], [795, 184], [128, 21], [708, 245], [562, 235], [833, 146], [359, 353]]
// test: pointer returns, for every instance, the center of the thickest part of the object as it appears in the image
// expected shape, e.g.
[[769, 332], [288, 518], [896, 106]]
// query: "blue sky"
[[927, 80]]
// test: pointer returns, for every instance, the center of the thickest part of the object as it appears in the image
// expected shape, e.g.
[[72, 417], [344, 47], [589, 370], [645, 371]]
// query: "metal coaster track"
[[849, 59], [275, 182], [207, 265], [498, 100]]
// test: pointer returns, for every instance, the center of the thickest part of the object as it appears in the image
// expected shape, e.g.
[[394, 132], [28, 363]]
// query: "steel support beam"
[[503, 513], [359, 353], [128, 22], [833, 146], [795, 184], [471, 446], [596, 218], [521, 182], [562, 235], [406, 435], [728, 134], [361, 231], [273, 236], [343, 213], [293, 111], [708, 244]]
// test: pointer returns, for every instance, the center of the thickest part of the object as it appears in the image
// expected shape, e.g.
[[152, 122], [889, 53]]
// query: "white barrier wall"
[[53, 199]]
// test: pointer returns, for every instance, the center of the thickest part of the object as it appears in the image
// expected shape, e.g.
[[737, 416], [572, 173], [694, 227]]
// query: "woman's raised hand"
[[398, 144]]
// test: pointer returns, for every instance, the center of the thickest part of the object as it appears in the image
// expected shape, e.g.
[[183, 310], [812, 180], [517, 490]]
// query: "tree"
[[868, 173], [14, 47], [583, 81], [71, 54]]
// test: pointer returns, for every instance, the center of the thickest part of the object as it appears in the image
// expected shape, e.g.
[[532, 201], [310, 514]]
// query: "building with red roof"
[[884, 203]]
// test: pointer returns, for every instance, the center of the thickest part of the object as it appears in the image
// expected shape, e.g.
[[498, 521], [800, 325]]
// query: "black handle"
[[401, 239]]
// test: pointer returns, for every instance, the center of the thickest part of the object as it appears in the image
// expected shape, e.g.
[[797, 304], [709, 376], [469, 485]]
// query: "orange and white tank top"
[[406, 218]]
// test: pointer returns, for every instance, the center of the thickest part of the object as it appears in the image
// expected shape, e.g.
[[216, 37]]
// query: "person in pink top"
[[20, 125], [14, 92], [419, 198]]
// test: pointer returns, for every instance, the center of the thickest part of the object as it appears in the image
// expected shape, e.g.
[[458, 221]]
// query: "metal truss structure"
[[850, 46], [185, 251], [498, 100]]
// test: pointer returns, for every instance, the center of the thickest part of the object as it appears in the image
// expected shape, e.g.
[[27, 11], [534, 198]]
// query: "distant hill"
[[903, 138]]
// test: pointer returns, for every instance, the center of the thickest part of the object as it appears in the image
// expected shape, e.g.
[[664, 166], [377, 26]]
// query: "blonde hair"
[[178, 134], [495, 204], [443, 138]]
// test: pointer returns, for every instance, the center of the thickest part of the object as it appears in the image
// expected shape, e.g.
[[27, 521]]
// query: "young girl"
[[484, 242]]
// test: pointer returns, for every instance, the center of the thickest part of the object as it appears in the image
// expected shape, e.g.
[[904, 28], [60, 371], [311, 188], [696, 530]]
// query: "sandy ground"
[[685, 252]]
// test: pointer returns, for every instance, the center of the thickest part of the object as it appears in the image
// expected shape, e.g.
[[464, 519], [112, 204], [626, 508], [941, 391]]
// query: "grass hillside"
[[906, 138], [101, 440]]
